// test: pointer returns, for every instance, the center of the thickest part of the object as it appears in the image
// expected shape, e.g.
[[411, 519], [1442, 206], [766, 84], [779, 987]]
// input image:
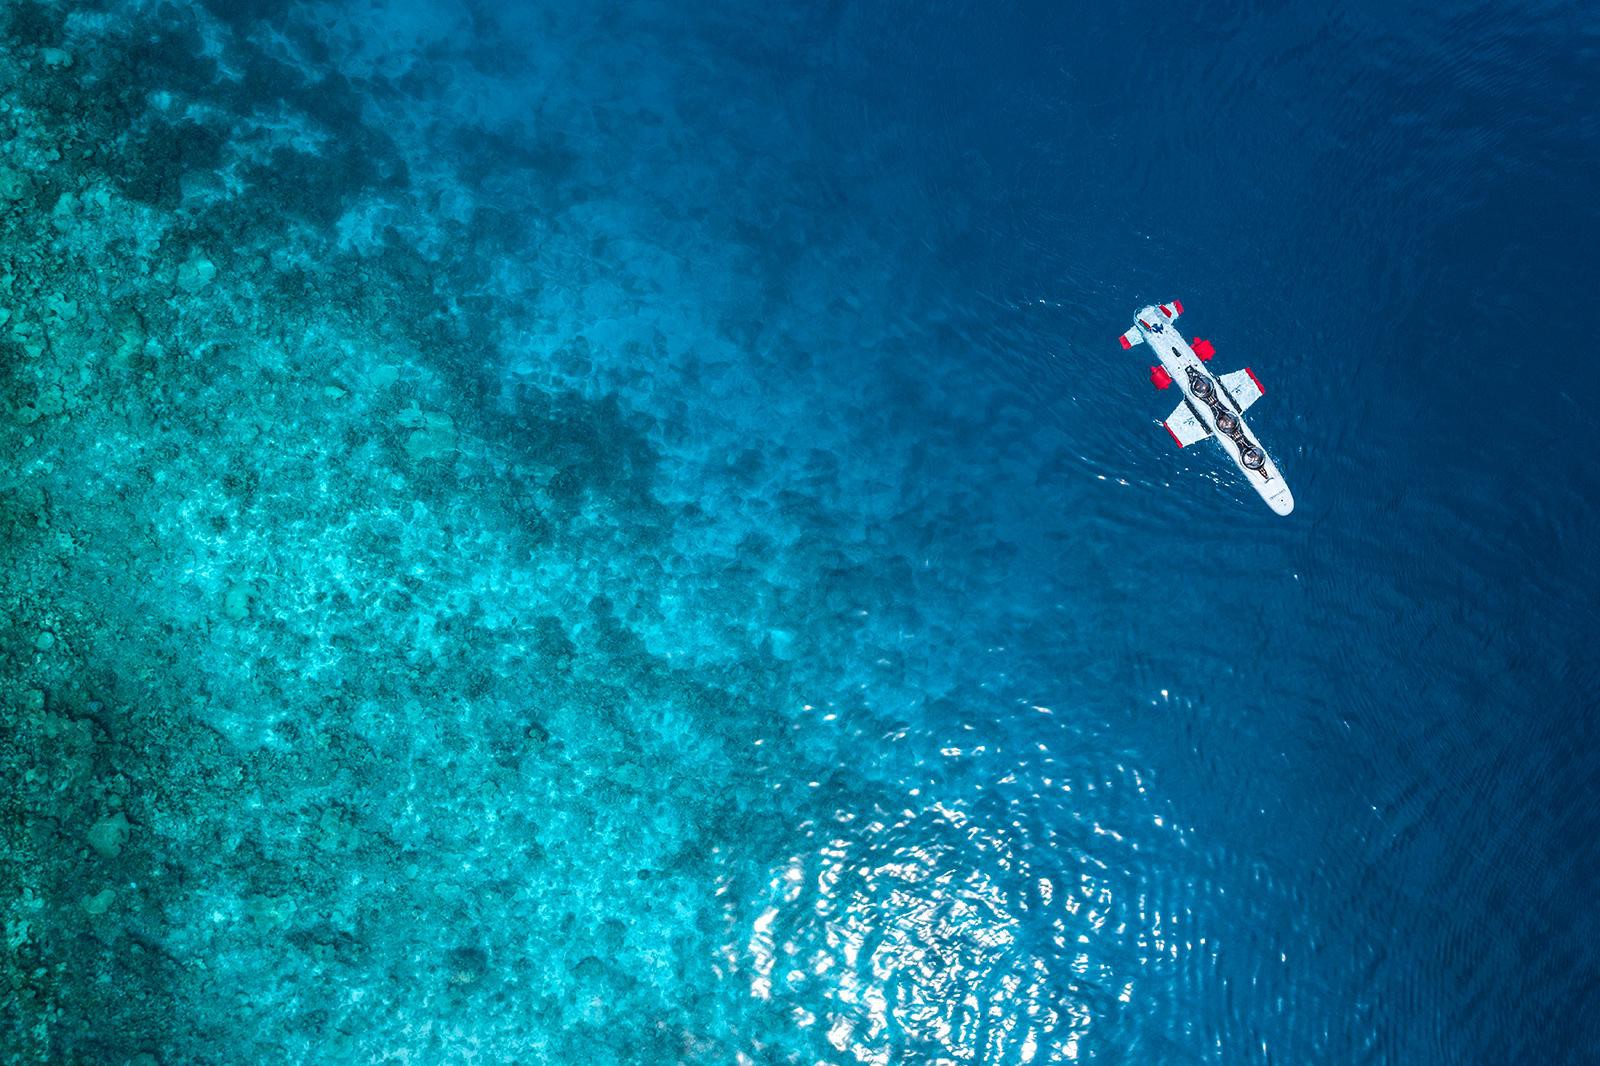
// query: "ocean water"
[[623, 533]]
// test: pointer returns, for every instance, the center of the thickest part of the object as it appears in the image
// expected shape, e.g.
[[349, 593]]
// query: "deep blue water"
[[799, 640]]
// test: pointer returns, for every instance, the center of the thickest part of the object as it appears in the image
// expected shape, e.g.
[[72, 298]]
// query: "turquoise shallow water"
[[624, 534]]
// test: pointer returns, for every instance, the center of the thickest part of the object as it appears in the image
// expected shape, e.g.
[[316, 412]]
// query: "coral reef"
[[454, 552]]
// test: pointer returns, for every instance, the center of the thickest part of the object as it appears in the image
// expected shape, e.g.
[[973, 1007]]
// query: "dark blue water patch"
[[1393, 203]]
